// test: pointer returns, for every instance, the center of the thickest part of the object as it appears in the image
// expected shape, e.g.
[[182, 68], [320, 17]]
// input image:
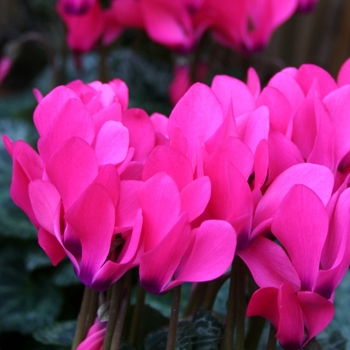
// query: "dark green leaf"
[[208, 331], [184, 337], [59, 333], [125, 346], [26, 303]]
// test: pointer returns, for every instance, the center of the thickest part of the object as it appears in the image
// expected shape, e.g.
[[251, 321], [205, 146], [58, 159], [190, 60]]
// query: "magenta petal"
[[171, 161], [323, 151], [335, 103], [255, 129], [290, 331], [195, 197], [233, 91], [159, 200], [128, 204], [111, 271], [92, 218], [112, 143], [286, 84], [269, 264], [318, 313], [279, 108], [51, 246], [308, 73], [158, 265], [264, 303], [301, 225], [49, 106], [73, 120], [45, 200], [253, 82], [344, 73], [283, 154], [206, 116], [316, 177], [211, 254], [71, 169], [27, 166], [141, 132], [132, 241]]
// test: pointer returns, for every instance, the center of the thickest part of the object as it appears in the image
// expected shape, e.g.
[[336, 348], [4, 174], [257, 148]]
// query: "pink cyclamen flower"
[[174, 251], [72, 190], [76, 6], [87, 23], [300, 285], [307, 5]]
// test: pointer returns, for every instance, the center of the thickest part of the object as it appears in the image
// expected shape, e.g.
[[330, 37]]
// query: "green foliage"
[[27, 303], [202, 333], [59, 333]]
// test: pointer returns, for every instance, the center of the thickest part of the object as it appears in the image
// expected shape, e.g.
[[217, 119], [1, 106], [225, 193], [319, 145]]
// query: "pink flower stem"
[[120, 319], [174, 316], [271, 342], [136, 317], [116, 295], [81, 329], [227, 339]]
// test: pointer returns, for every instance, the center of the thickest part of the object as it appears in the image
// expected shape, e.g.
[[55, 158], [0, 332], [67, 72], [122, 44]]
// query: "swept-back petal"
[[159, 200], [195, 197], [318, 313], [71, 169], [141, 132], [171, 161], [316, 177], [92, 218], [232, 91], [269, 264], [158, 265], [264, 303], [50, 106], [112, 143], [206, 113], [301, 225], [73, 120], [290, 331], [128, 204], [51, 246], [211, 254], [44, 199]]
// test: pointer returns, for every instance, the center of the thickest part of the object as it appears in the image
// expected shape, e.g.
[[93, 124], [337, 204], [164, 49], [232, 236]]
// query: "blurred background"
[[39, 303]]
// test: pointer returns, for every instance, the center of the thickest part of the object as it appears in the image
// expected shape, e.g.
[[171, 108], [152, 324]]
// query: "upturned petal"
[[301, 225]]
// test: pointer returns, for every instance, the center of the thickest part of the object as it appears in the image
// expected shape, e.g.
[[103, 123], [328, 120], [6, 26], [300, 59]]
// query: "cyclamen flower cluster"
[[235, 169], [245, 26]]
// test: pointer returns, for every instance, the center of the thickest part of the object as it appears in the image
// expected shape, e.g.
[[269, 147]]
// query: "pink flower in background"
[[245, 26], [87, 23], [76, 6], [6, 64], [307, 5]]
